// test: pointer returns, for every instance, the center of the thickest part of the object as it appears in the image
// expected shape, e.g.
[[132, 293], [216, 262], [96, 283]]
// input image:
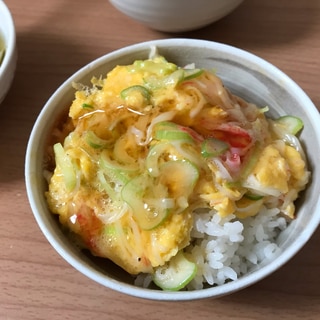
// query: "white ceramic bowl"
[[9, 61], [176, 15], [246, 75]]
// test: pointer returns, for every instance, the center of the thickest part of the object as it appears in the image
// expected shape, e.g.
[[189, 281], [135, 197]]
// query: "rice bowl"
[[254, 86]]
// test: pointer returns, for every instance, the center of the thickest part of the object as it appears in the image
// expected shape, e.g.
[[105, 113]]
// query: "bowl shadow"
[[259, 24]]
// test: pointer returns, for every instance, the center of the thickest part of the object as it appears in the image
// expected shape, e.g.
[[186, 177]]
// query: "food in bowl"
[[162, 170]]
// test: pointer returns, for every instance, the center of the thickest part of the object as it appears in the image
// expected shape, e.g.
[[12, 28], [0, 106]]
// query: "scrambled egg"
[[278, 171]]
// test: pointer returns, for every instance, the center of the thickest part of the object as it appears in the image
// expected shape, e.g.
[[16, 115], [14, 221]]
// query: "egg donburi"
[[152, 142]]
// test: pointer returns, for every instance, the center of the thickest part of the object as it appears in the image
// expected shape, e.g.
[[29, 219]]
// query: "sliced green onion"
[[94, 141], [152, 159], [165, 125], [173, 135], [191, 73], [158, 66], [252, 196], [250, 162], [109, 164], [264, 109], [116, 172], [180, 176], [121, 151], [125, 93], [170, 131], [87, 106], [106, 186], [110, 230], [155, 82], [174, 78], [144, 197], [176, 274], [290, 124], [64, 162], [212, 147]]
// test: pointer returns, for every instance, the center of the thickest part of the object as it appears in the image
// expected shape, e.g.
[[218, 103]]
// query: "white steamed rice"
[[227, 248]]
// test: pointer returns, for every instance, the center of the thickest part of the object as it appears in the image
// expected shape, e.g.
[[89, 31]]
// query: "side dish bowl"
[[247, 76], [176, 15], [8, 59]]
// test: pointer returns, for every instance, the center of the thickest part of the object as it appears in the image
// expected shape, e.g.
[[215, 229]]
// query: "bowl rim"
[[10, 42], [75, 261]]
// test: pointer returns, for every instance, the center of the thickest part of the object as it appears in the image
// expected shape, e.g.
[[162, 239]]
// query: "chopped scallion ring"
[[125, 93], [94, 141], [176, 274], [67, 169], [252, 196], [145, 201], [192, 73], [170, 135], [290, 123], [87, 106], [212, 147]]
